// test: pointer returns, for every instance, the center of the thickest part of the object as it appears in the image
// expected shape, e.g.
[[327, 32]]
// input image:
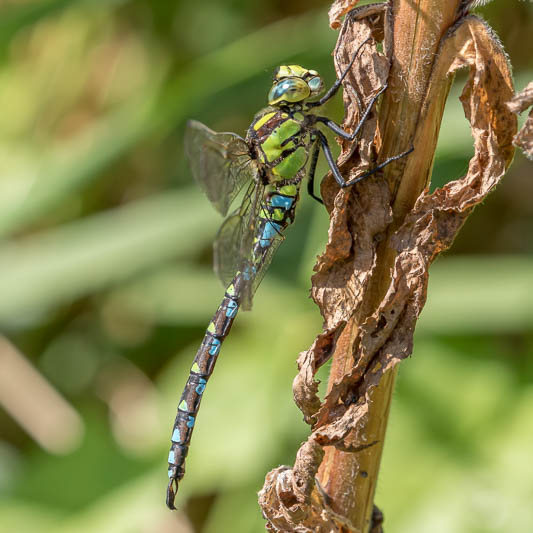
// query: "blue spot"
[[172, 457], [201, 386], [170, 472], [190, 422], [281, 201], [176, 436], [231, 310], [270, 230], [215, 347]]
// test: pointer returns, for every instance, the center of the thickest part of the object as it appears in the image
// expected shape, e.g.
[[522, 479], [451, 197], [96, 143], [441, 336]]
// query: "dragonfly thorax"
[[293, 84], [281, 142]]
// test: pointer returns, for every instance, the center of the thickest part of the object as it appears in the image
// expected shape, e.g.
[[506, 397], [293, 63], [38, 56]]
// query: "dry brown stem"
[[370, 283]]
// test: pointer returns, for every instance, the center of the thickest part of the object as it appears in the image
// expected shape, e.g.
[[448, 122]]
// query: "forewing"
[[220, 163]]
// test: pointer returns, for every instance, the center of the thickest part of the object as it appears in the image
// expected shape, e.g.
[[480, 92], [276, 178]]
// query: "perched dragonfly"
[[282, 146]]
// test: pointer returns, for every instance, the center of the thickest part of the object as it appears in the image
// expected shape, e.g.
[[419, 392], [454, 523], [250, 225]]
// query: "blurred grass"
[[107, 287]]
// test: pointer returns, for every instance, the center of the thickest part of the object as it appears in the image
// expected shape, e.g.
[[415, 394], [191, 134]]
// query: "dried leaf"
[[468, 4], [338, 9], [358, 221], [520, 102], [286, 497], [385, 337]]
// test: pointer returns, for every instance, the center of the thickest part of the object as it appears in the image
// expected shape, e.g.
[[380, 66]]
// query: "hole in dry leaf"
[[455, 144], [382, 322]]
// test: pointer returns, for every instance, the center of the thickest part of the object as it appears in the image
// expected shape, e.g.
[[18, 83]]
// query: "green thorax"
[[281, 141]]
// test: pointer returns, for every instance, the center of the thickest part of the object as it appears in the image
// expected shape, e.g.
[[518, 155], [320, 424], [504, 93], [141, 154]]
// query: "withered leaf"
[[520, 102], [357, 221], [384, 337], [338, 9]]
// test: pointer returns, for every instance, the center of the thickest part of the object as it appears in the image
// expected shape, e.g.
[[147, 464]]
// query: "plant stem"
[[350, 478]]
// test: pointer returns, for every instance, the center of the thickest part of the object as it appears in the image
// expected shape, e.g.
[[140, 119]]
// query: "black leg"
[[335, 87], [311, 176], [379, 167], [335, 169], [344, 134], [329, 158]]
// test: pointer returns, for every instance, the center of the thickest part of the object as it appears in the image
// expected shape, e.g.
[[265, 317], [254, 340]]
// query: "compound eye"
[[315, 83], [289, 90]]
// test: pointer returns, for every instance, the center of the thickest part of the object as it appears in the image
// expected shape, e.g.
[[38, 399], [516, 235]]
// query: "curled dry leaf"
[[520, 102], [288, 501], [381, 337], [338, 9], [357, 221], [385, 337]]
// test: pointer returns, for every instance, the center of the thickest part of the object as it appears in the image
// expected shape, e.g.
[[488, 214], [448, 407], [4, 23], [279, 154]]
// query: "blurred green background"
[[106, 285]]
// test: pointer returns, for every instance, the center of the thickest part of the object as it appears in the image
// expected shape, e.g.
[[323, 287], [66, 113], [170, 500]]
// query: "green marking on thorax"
[[211, 328], [291, 164], [272, 145]]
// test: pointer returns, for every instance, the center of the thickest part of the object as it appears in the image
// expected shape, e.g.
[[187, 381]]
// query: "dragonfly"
[[281, 148]]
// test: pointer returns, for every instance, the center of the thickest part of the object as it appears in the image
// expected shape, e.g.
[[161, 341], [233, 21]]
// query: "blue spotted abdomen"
[[278, 203]]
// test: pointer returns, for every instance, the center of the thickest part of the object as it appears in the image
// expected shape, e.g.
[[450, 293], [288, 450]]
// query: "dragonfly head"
[[294, 84]]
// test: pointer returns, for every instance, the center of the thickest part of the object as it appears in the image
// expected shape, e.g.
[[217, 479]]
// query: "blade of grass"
[[62, 264]]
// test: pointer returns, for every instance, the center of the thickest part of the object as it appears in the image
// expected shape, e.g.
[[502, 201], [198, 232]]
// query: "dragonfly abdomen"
[[201, 370], [276, 215]]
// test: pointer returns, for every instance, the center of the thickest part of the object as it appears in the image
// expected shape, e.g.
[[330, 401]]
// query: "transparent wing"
[[235, 243], [267, 259], [220, 163]]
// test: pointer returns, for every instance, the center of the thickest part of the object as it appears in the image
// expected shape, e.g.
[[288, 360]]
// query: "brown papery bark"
[[371, 281]]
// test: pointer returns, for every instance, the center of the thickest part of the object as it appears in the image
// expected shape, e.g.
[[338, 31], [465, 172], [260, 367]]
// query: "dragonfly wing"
[[220, 163], [234, 243], [261, 270]]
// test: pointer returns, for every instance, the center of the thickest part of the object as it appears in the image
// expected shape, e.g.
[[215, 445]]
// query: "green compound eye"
[[315, 83], [289, 90]]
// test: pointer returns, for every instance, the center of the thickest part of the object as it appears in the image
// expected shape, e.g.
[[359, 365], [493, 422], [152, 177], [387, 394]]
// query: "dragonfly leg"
[[312, 170], [332, 91], [335, 169], [340, 131], [329, 158], [379, 167]]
